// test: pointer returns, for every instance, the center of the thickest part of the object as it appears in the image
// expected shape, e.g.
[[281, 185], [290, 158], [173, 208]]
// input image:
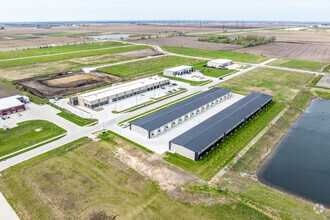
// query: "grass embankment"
[[323, 94], [150, 66], [212, 72], [85, 178], [221, 155], [26, 134], [238, 57], [43, 59], [54, 50], [301, 64], [76, 119]]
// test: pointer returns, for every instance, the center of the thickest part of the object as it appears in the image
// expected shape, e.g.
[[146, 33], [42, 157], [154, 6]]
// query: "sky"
[[118, 10]]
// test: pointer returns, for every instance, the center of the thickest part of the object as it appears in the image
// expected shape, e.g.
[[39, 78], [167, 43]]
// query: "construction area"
[[67, 83]]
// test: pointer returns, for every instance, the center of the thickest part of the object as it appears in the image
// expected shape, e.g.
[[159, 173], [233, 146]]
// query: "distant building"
[[219, 63], [116, 93], [13, 104], [179, 70]]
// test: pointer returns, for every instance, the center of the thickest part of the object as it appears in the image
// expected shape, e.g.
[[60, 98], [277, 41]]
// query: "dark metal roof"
[[164, 116], [202, 135]]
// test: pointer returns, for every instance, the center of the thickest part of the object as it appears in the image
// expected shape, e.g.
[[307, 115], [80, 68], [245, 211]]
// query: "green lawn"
[[283, 85], [76, 119], [192, 83], [212, 72], [148, 66], [323, 94], [238, 57], [300, 64], [10, 63], [85, 178], [25, 135], [54, 50], [222, 154]]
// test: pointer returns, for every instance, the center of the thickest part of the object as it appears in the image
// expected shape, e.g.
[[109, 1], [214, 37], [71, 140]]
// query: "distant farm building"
[[116, 93], [13, 104], [163, 120], [219, 63], [202, 138], [179, 70]]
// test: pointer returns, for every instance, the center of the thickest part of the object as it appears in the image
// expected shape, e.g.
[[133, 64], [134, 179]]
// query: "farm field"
[[238, 57], [34, 60], [191, 42], [223, 153], [58, 49], [300, 64], [282, 85], [149, 66], [86, 179], [26, 134], [298, 51]]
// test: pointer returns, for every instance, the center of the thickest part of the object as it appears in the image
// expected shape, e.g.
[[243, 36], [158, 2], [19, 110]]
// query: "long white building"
[[219, 63], [179, 70], [116, 93]]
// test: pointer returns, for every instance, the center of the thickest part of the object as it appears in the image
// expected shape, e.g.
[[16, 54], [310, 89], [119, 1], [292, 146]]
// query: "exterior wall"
[[217, 64], [172, 73], [182, 151], [139, 130], [12, 110]]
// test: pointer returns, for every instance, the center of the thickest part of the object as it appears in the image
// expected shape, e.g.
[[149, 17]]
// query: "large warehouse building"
[[159, 122], [219, 63], [116, 93], [12, 104], [179, 70], [199, 140]]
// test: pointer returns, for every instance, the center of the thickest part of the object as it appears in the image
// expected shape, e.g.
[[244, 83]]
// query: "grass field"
[[85, 178], [238, 57], [283, 85], [76, 119], [149, 66], [222, 154], [25, 135], [54, 50], [34, 60], [192, 83], [212, 72], [299, 64], [323, 94]]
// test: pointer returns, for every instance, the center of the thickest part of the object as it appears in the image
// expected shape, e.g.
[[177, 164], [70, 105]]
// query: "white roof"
[[178, 68], [103, 93], [220, 61], [10, 102]]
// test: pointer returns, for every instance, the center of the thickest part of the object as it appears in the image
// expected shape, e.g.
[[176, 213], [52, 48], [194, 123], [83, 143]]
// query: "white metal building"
[[165, 119], [116, 93], [179, 70], [12, 104], [219, 63]]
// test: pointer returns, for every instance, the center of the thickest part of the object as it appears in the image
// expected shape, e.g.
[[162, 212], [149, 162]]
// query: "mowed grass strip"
[[76, 119], [149, 66], [238, 57], [10, 63], [212, 72], [54, 50], [26, 134], [85, 178], [300, 64], [222, 154], [283, 85]]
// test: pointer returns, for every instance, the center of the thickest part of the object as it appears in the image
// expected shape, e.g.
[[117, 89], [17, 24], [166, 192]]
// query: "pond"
[[300, 163]]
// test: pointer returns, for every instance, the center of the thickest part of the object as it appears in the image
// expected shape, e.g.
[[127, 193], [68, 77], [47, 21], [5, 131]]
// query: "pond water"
[[300, 163], [111, 36]]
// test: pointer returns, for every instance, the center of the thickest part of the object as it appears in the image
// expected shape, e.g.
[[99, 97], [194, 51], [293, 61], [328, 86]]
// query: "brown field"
[[191, 42], [299, 51], [5, 91], [49, 87]]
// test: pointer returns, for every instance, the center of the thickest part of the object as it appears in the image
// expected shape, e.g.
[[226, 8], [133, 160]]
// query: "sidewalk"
[[6, 212]]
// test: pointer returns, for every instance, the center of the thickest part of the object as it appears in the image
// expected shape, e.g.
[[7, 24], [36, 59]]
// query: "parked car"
[[174, 84], [19, 114], [3, 118], [169, 91], [125, 125], [221, 78], [5, 127], [163, 87], [7, 116], [174, 90]]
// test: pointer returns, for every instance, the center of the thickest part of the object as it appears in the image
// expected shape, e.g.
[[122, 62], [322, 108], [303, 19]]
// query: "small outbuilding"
[[219, 63], [179, 70]]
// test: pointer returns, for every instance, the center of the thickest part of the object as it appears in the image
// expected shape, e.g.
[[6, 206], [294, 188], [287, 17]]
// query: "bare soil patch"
[[49, 87], [191, 42], [5, 91]]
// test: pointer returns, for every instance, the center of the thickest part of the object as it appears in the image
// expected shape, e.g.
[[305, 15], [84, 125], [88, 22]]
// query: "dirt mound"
[[49, 87]]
